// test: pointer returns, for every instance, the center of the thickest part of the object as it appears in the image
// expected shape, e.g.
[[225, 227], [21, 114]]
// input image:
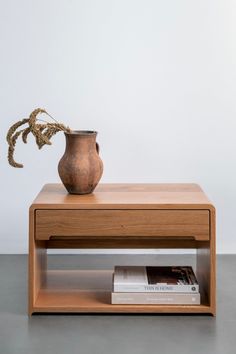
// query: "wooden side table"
[[117, 216]]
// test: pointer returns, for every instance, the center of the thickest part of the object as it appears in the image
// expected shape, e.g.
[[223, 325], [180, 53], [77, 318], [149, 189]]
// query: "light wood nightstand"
[[117, 216]]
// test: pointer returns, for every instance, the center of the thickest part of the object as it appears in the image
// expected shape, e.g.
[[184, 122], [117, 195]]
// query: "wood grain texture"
[[206, 266], [90, 291], [37, 264], [125, 196], [168, 223], [117, 216]]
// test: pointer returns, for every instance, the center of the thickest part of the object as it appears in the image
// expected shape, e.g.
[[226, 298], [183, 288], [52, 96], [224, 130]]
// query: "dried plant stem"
[[35, 128], [42, 133], [11, 150], [25, 134], [14, 127], [52, 118]]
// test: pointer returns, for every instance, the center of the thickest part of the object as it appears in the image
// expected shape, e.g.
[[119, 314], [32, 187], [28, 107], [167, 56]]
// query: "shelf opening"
[[83, 282]]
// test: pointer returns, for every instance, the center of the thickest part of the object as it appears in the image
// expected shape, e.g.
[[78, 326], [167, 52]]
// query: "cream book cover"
[[155, 298]]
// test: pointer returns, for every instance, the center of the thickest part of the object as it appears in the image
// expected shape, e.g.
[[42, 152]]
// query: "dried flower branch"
[[42, 133]]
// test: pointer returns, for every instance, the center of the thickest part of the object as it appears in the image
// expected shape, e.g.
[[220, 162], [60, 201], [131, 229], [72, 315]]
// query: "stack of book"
[[155, 285]]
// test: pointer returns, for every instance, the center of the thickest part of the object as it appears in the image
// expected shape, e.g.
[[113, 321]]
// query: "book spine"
[[155, 298], [139, 288]]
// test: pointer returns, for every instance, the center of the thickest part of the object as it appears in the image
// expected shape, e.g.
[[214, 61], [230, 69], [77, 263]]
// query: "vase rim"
[[81, 132]]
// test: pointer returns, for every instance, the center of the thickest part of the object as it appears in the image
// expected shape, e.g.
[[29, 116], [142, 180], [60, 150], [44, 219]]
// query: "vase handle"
[[97, 147]]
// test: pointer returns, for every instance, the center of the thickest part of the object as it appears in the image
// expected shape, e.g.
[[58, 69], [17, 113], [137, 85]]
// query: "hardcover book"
[[155, 279], [155, 298]]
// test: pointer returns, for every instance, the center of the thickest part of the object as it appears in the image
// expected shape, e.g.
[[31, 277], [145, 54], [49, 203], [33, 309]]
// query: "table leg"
[[37, 264]]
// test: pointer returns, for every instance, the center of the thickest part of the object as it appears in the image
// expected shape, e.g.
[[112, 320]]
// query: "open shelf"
[[90, 291]]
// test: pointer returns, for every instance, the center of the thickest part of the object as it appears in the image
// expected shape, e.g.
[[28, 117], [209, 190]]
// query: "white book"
[[155, 298], [155, 279]]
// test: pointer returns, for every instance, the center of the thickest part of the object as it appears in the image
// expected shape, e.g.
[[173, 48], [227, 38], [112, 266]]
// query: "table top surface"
[[125, 196]]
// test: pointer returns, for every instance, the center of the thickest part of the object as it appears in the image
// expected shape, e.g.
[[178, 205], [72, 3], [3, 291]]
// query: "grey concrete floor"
[[46, 334]]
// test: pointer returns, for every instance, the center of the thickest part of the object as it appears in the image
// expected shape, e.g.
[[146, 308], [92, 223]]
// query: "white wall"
[[156, 78]]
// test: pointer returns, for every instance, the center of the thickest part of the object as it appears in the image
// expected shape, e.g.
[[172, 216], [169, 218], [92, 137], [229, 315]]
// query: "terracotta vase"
[[80, 168]]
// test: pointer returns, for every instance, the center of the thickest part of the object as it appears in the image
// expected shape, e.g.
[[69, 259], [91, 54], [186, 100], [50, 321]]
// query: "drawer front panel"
[[156, 223]]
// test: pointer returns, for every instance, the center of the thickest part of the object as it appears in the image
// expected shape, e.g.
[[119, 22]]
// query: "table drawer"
[[167, 223]]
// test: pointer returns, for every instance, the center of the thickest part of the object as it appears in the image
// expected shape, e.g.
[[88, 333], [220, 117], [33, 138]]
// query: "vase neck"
[[81, 140]]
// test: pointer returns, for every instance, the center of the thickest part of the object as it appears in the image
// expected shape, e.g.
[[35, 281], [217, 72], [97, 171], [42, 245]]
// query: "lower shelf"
[[90, 291]]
